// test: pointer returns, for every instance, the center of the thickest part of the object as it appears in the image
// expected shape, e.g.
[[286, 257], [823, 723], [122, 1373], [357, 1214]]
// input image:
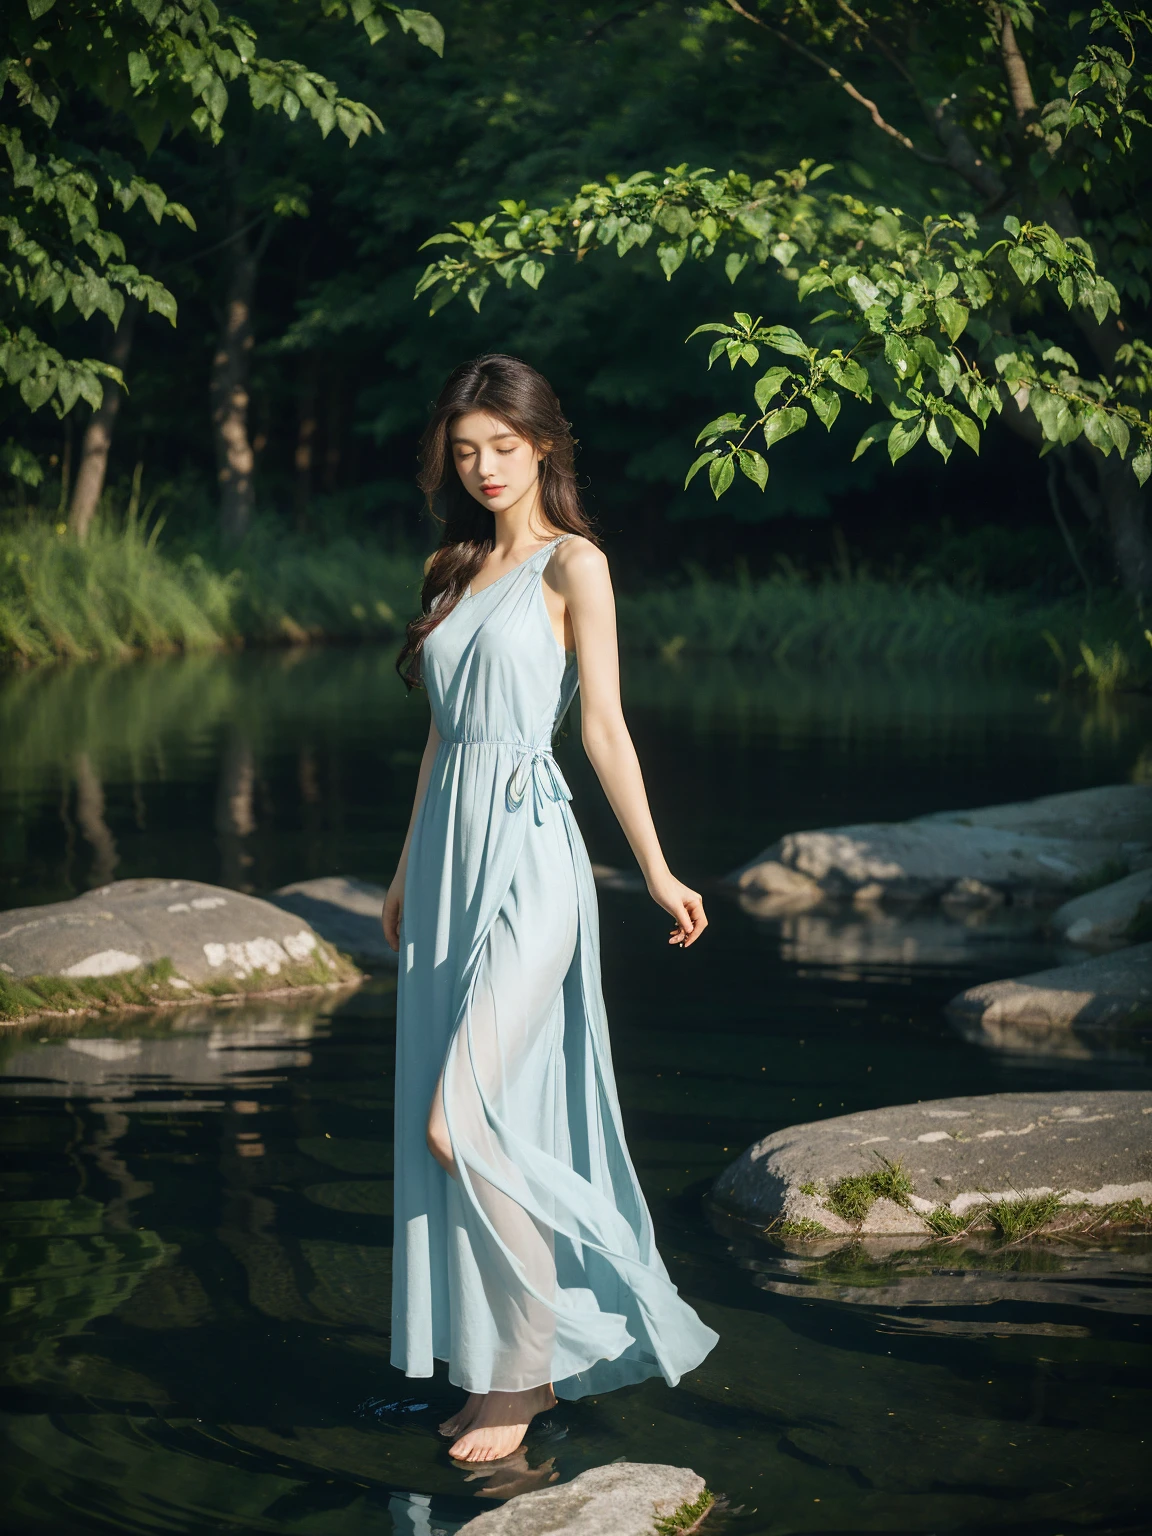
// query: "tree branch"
[[845, 85], [958, 149]]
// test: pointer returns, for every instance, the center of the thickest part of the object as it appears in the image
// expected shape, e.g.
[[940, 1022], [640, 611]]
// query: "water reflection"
[[197, 1276], [197, 1289], [858, 941]]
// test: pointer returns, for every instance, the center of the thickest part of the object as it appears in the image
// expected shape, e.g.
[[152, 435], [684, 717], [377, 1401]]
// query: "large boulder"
[[216, 939], [1035, 851], [1106, 918], [344, 911], [623, 1499], [1094, 1148], [1111, 991]]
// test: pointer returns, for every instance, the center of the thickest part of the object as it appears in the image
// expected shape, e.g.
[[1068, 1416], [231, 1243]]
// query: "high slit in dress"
[[537, 1263]]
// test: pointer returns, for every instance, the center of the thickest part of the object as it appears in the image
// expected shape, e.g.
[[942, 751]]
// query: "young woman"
[[524, 1253]]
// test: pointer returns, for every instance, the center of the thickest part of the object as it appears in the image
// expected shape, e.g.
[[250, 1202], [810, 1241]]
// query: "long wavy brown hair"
[[513, 392]]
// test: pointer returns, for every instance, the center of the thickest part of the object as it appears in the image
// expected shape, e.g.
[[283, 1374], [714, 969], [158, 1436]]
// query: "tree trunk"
[[98, 436], [235, 812], [228, 386], [306, 425], [1124, 504], [90, 815]]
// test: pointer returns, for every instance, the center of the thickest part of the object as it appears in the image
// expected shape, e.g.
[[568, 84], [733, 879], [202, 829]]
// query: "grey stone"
[[210, 934], [1107, 992], [623, 1499], [344, 911], [1039, 850], [1094, 1147], [1104, 918]]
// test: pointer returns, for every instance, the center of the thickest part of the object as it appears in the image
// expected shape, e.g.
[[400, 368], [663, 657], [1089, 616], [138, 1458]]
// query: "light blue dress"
[[537, 1264]]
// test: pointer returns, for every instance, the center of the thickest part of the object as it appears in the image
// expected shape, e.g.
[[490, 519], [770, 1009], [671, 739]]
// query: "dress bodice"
[[494, 670]]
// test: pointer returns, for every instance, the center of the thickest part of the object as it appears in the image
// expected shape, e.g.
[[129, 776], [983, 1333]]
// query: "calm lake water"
[[198, 1203]]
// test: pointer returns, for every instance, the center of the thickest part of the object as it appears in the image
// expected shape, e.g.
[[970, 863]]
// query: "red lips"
[[491, 490]]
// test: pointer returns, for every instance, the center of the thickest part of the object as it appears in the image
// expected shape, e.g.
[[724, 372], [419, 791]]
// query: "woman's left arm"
[[580, 574]]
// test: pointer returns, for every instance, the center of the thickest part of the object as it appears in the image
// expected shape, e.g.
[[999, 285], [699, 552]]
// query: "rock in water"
[[1116, 914], [211, 935], [1038, 850], [1109, 992], [344, 911], [1092, 1147], [624, 1499]]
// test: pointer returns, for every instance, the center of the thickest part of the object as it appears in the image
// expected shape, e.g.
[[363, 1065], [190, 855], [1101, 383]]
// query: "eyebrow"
[[496, 437]]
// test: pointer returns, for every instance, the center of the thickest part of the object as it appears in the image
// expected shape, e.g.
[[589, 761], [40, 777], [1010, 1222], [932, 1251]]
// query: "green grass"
[[127, 592], [687, 1517], [1021, 1216], [153, 985], [853, 1196], [868, 619], [121, 594], [805, 1227], [946, 1223]]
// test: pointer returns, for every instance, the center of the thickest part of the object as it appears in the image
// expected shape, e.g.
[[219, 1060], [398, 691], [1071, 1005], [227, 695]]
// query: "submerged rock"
[[215, 938], [623, 1499], [1092, 1148], [1034, 851], [1108, 992], [1116, 914], [344, 911]]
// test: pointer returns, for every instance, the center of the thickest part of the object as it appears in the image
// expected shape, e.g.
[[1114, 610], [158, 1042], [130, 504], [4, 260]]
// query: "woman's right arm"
[[394, 901]]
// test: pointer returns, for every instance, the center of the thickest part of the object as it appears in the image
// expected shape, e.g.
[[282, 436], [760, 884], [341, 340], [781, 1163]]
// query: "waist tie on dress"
[[535, 769]]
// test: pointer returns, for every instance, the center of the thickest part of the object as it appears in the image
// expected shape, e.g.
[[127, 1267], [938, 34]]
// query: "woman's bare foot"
[[462, 1419], [501, 1423]]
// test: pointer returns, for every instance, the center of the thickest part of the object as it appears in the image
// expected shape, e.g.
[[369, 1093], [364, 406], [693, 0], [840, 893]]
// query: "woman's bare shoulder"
[[579, 560]]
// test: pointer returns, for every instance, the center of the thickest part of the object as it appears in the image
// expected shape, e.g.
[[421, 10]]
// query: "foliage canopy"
[[85, 75], [1031, 308]]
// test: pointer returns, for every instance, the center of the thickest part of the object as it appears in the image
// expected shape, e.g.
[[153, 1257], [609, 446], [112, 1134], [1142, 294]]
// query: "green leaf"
[[705, 458], [1118, 428], [850, 375], [941, 436], [712, 325], [1022, 263], [729, 422], [38, 8], [967, 431], [953, 317], [1012, 225], [826, 404], [671, 257], [753, 466], [748, 353], [717, 349], [425, 28], [768, 387], [813, 281], [903, 437], [782, 423], [532, 272], [1096, 430], [1142, 465], [875, 434], [734, 264], [783, 339], [721, 473]]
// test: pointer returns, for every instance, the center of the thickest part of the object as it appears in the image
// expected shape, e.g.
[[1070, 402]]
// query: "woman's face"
[[496, 466]]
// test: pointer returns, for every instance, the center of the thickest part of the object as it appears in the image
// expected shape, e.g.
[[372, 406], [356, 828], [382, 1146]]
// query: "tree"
[[123, 74], [1031, 310]]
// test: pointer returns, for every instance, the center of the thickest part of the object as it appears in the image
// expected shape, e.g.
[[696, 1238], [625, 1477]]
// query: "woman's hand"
[[685, 905], [392, 913]]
